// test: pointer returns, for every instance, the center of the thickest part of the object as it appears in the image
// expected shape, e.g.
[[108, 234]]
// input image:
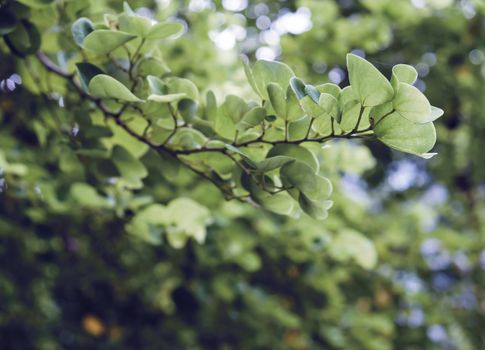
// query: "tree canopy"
[[239, 174]]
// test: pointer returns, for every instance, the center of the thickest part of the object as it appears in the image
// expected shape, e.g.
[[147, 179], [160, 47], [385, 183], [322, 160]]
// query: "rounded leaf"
[[330, 88], [316, 209], [411, 104], [277, 99], [104, 86], [294, 151], [265, 72], [165, 30], [134, 24], [302, 177], [273, 163], [182, 85], [103, 41], [371, 87], [401, 134], [403, 73], [329, 104], [251, 118]]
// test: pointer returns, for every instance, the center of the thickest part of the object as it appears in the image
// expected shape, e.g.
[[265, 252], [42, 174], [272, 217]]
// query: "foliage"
[[160, 194]]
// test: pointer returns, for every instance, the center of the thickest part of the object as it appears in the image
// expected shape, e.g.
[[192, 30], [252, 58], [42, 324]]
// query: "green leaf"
[[330, 88], [104, 86], [134, 24], [350, 108], [156, 85], [168, 98], [266, 72], [401, 134], [242, 154], [165, 30], [403, 73], [147, 224], [182, 85], [188, 138], [234, 108], [323, 126], [110, 21], [180, 220], [151, 66], [346, 95], [371, 87], [297, 152], [251, 118], [87, 196], [80, 30], [293, 108], [301, 176], [224, 125], [280, 203], [249, 73], [298, 87], [329, 104], [352, 245], [103, 41], [254, 185], [381, 111], [436, 112], [298, 130], [411, 104], [86, 72], [277, 98], [131, 169], [187, 109], [349, 121], [273, 163], [316, 209], [185, 218], [311, 108], [127, 9], [312, 92], [210, 105]]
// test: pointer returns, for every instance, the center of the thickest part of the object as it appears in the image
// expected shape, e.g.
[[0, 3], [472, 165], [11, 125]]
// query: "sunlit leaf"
[[134, 24], [411, 104], [265, 72], [103, 41], [399, 133], [403, 73], [165, 30], [369, 85], [251, 118]]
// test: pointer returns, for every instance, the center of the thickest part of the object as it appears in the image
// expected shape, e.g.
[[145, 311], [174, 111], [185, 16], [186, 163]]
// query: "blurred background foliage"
[[399, 263]]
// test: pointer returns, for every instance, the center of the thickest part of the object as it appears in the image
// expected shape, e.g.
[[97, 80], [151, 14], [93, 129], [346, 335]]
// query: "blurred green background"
[[72, 276]]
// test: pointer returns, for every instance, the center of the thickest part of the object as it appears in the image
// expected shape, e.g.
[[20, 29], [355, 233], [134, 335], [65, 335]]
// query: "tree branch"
[[176, 153]]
